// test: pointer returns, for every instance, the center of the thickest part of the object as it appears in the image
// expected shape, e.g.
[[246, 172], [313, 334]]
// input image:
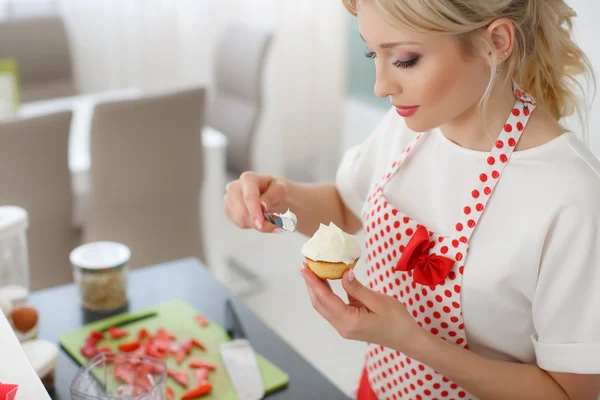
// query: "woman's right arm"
[[312, 203]]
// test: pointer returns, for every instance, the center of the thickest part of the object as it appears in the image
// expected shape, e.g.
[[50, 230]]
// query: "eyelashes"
[[397, 63]]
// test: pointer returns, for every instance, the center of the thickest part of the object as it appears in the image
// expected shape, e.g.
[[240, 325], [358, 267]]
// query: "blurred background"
[[151, 102]]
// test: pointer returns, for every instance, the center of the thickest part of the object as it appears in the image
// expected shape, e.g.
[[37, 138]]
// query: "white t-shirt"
[[531, 287]]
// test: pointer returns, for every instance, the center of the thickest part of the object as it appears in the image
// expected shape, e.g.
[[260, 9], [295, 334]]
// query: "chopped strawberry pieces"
[[180, 377], [89, 351], [201, 375], [129, 346], [180, 356], [196, 363], [187, 346], [199, 345], [170, 394], [201, 390], [116, 332], [201, 320]]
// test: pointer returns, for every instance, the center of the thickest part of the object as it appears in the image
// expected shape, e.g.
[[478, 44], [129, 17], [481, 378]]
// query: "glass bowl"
[[123, 376]]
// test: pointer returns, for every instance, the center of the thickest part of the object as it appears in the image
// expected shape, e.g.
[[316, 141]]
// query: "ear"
[[500, 36]]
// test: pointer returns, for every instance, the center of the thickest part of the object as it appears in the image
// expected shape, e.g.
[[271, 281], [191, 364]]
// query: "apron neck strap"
[[495, 164]]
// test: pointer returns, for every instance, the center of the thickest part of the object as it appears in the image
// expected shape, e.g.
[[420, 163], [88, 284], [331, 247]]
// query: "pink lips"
[[406, 111]]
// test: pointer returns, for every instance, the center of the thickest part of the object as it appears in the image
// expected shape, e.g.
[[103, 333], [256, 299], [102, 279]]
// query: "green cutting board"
[[177, 317]]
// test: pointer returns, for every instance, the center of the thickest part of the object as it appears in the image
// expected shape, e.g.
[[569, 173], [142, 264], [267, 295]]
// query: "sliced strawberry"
[[196, 363], [96, 335], [201, 390], [123, 373], [201, 320], [117, 332], [170, 394], [92, 341], [162, 333], [180, 377], [201, 375], [129, 346], [187, 346], [89, 351], [143, 334], [104, 349], [162, 345], [180, 356], [198, 344]]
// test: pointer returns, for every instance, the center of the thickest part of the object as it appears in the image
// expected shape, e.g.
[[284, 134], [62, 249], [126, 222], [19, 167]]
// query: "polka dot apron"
[[424, 270]]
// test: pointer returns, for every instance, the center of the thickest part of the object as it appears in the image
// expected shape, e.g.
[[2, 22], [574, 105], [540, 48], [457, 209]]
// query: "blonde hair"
[[545, 60]]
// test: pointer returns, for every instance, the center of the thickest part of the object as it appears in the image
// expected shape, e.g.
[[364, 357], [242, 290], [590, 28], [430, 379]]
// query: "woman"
[[465, 161]]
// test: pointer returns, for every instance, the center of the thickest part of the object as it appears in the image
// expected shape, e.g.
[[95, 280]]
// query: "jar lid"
[[100, 255], [42, 355], [12, 218]]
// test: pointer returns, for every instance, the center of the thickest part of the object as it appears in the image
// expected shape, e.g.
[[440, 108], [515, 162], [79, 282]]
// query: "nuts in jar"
[[100, 272]]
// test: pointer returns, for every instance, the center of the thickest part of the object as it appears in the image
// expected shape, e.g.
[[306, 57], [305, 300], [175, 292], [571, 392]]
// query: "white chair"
[[238, 97], [34, 174], [41, 47], [146, 176]]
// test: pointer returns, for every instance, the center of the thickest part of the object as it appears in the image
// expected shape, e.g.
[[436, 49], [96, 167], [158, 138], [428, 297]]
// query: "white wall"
[[586, 34], [156, 45]]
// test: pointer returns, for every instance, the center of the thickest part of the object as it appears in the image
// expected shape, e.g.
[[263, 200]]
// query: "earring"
[[500, 60]]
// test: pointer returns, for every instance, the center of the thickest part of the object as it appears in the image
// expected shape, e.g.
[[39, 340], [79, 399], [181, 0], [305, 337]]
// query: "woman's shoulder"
[[570, 169]]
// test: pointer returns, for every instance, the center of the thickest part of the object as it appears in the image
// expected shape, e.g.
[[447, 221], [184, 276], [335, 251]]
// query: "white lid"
[[100, 255], [42, 356], [12, 219]]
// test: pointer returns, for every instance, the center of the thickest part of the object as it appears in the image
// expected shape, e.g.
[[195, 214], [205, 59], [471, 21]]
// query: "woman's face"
[[429, 78]]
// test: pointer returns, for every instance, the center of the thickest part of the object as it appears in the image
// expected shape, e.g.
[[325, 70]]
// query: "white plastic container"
[[14, 260], [43, 357]]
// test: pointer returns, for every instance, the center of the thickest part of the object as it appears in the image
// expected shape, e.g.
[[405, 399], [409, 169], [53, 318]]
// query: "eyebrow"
[[392, 44]]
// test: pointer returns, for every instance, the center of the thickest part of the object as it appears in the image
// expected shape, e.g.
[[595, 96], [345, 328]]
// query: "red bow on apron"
[[428, 269], [424, 270]]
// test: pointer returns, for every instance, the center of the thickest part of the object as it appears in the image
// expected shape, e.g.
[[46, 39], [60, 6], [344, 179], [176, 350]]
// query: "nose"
[[384, 84]]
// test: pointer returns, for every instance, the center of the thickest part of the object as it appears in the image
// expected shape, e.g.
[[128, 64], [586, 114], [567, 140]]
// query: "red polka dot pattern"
[[393, 375], [495, 163]]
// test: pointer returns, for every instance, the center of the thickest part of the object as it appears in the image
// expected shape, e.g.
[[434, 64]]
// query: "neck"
[[478, 131]]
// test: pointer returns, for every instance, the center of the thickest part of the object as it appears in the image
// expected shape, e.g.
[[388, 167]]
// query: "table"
[[213, 142], [187, 279]]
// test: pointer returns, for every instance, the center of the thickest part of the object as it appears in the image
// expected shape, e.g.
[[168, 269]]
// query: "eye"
[[370, 54], [406, 64]]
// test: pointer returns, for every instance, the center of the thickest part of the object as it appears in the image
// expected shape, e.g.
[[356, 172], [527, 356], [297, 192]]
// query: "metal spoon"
[[285, 223]]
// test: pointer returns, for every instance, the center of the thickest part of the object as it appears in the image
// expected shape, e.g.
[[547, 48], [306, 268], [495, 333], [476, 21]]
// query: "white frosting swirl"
[[290, 221], [331, 244]]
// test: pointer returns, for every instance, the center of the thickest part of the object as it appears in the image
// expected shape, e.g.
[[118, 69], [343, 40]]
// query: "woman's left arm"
[[377, 318], [491, 379]]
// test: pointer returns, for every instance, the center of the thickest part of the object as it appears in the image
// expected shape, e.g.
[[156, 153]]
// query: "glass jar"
[[14, 260], [100, 273]]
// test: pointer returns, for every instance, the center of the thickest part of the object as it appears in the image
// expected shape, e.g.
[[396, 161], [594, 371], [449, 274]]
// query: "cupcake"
[[330, 252]]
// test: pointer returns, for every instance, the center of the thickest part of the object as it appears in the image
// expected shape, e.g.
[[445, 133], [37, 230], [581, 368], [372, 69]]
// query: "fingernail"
[[258, 223], [277, 230], [301, 273], [350, 275], [264, 204]]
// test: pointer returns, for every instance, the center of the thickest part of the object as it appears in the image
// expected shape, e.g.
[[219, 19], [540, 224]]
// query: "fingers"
[[244, 204], [324, 300], [325, 281], [348, 320], [358, 293], [251, 196], [234, 208]]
